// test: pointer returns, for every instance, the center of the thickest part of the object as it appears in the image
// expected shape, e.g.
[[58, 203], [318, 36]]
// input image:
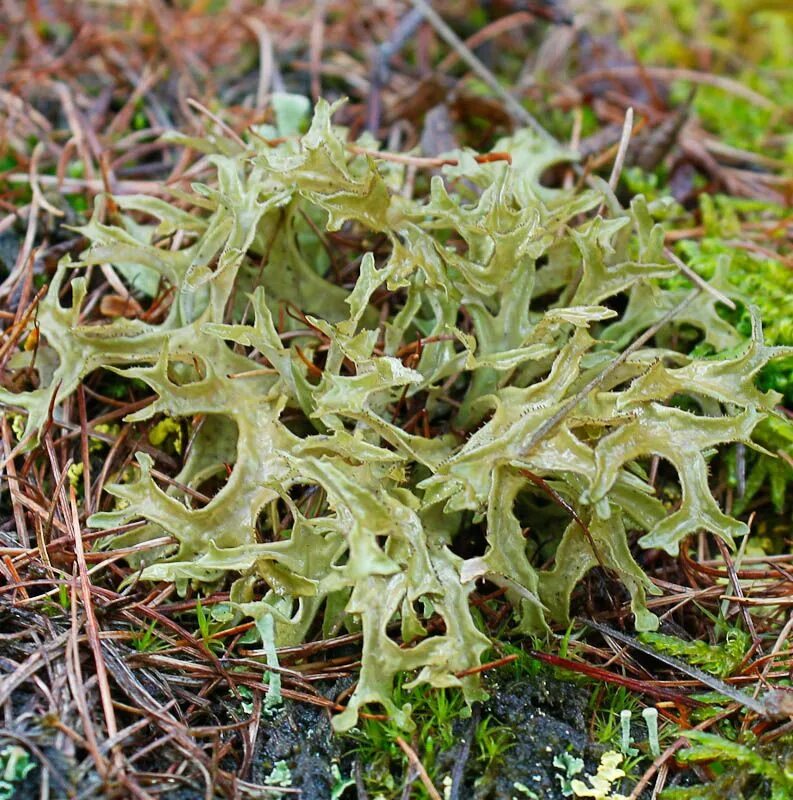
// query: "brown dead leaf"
[[114, 305]]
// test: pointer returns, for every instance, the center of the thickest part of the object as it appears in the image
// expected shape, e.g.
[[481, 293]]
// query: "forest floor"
[[117, 687]]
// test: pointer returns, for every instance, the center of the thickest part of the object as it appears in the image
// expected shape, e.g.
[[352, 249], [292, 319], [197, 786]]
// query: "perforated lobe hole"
[[210, 485], [276, 519], [186, 370], [310, 499]]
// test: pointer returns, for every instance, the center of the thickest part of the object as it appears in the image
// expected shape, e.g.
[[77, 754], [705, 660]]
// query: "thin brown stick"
[[415, 762], [498, 27], [622, 150], [84, 449], [34, 181], [76, 684], [501, 662], [681, 741], [454, 41], [95, 185], [77, 128], [738, 589], [698, 280]]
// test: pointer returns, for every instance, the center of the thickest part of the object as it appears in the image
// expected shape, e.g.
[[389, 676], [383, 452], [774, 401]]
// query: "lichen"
[[601, 787], [500, 290]]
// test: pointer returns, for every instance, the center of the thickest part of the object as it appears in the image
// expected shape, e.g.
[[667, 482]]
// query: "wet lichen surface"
[[499, 291]]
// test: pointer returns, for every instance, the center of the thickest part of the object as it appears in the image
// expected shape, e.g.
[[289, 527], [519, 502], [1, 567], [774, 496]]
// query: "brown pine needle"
[[92, 629], [415, 762]]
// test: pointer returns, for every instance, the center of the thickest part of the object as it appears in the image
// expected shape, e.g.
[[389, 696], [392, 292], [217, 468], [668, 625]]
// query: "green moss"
[[436, 715], [746, 770], [720, 660], [748, 40]]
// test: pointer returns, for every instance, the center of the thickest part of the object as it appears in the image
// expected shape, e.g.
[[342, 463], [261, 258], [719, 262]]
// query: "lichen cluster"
[[492, 305]]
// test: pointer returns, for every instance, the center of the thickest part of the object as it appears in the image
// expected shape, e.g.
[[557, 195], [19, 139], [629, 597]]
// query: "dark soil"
[[301, 736], [547, 717]]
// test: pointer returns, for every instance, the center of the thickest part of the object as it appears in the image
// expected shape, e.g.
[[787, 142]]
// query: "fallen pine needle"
[[419, 767]]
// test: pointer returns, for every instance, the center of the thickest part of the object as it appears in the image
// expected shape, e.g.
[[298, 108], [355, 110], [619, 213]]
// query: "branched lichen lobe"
[[508, 292]]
